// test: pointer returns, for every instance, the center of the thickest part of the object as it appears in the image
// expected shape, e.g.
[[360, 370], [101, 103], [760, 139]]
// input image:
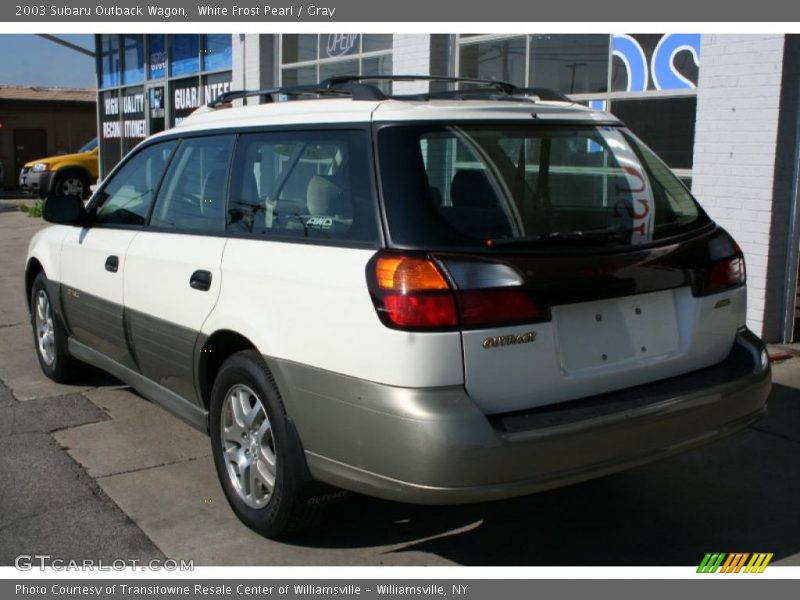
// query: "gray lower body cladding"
[[161, 351], [435, 446]]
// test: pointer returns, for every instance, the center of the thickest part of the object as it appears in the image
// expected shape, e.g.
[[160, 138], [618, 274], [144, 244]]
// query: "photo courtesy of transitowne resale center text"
[[383, 300]]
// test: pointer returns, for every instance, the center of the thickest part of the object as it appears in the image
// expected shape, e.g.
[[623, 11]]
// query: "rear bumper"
[[435, 446]]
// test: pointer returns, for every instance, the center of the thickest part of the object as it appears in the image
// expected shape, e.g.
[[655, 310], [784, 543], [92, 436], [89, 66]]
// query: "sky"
[[31, 60]]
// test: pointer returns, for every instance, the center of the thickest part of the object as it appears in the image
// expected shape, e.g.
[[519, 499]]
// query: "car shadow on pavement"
[[740, 494], [86, 375]]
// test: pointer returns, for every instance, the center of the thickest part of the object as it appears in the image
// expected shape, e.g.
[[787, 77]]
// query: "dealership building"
[[721, 110]]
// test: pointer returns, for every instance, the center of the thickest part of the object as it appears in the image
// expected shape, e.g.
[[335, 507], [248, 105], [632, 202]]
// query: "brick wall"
[[411, 56], [738, 110]]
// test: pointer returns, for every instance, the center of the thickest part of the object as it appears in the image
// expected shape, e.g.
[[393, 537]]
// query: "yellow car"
[[65, 175]]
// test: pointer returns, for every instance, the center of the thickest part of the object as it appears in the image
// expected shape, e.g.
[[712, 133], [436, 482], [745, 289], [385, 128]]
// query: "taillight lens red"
[[412, 292], [413, 310], [726, 274], [492, 307]]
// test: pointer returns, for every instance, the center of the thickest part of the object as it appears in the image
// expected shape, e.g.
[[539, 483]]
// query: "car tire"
[[71, 183], [257, 452], [49, 334]]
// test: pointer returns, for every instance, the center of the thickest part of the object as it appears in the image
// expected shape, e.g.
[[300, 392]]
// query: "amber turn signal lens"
[[408, 274]]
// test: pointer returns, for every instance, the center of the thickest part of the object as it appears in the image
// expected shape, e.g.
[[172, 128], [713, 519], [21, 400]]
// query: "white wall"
[[253, 67], [411, 55], [738, 100]]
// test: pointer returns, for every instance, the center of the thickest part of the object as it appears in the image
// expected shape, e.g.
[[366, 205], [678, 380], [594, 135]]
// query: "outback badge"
[[509, 340]]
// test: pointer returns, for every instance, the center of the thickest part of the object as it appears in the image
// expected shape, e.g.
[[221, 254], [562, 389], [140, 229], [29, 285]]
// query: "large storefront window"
[[339, 67], [574, 64], [185, 55], [655, 62], [300, 76], [173, 75], [132, 59], [185, 96], [158, 56], [189, 94], [649, 81], [134, 127], [664, 124], [216, 52], [110, 130], [307, 59], [502, 59], [109, 61], [375, 42], [299, 47]]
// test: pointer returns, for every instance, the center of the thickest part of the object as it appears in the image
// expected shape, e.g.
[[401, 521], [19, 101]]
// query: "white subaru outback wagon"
[[442, 297]]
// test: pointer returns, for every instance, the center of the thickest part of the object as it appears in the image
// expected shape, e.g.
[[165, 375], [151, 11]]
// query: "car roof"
[[337, 110]]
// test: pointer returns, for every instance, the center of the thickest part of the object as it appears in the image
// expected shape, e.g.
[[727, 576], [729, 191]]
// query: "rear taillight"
[[416, 292], [410, 292], [726, 274]]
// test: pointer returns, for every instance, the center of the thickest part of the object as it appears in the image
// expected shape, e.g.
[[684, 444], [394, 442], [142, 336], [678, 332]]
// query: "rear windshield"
[[516, 185]]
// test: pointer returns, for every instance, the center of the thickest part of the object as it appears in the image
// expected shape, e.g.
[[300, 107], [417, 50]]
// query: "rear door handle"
[[112, 264], [200, 280]]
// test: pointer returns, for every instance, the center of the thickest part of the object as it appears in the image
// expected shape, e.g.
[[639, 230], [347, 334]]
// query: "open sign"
[[340, 44]]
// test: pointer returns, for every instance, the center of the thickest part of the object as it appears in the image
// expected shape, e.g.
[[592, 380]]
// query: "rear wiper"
[[592, 236]]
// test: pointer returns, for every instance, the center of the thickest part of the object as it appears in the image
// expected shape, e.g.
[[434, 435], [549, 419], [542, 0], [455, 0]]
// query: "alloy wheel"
[[248, 446], [45, 332]]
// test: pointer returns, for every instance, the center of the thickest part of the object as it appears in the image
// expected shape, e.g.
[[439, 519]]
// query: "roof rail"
[[354, 87], [502, 86], [489, 84], [356, 91]]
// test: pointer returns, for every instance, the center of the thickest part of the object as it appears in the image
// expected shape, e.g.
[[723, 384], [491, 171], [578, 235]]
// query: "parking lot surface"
[[94, 471]]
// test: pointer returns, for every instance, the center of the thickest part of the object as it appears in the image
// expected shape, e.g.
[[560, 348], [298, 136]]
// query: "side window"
[[194, 190], [127, 197], [303, 184]]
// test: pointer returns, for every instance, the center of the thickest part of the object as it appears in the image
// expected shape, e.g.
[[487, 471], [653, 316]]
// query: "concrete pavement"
[[94, 471]]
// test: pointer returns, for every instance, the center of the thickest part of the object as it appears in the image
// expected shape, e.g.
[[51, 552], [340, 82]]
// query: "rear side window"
[[127, 197], [509, 185], [192, 196], [303, 185]]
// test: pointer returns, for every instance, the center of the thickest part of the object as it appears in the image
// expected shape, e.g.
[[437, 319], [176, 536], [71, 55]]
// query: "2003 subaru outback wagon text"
[[436, 298]]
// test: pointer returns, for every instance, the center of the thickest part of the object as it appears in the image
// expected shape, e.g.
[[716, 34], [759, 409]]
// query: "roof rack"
[[355, 91], [354, 87]]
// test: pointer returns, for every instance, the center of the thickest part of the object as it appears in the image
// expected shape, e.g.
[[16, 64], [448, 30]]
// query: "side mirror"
[[65, 210]]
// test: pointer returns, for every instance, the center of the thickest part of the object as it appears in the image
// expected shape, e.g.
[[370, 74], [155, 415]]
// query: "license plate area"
[[633, 329]]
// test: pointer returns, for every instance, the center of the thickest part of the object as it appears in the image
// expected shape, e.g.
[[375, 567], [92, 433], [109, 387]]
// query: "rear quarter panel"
[[310, 304]]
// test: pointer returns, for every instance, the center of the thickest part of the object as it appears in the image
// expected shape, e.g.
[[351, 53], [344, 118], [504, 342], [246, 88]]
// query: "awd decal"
[[320, 222], [736, 562]]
